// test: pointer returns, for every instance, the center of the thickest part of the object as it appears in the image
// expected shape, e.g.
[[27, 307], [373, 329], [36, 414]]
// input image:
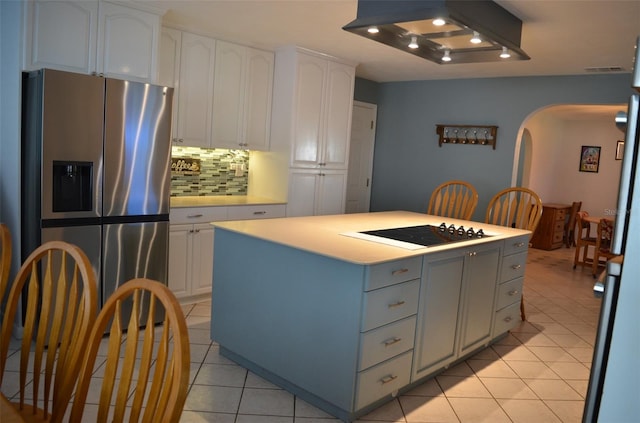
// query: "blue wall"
[[409, 164]]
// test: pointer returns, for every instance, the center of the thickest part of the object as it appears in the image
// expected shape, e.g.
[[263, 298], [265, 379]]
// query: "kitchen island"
[[348, 323]]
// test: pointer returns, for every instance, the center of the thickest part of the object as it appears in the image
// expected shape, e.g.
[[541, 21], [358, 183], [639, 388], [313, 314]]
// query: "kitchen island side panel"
[[302, 303]]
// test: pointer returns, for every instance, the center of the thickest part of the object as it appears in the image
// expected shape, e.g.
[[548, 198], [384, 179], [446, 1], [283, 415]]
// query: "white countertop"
[[220, 200], [325, 235]]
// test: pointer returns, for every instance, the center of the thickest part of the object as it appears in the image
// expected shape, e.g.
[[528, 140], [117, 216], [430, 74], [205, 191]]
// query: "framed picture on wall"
[[589, 158], [619, 150]]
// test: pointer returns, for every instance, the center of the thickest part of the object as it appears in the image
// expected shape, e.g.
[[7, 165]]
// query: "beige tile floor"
[[538, 373]]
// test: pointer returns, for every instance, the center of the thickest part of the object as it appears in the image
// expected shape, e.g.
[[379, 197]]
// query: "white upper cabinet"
[[195, 97], [322, 106], [243, 85], [92, 37], [127, 42], [169, 68]]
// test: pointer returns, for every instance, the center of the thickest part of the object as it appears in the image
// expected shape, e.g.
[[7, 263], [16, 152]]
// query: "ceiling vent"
[[443, 31], [605, 69]]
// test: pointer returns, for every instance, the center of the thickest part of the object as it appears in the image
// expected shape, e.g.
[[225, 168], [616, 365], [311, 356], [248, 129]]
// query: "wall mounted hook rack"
[[467, 134]]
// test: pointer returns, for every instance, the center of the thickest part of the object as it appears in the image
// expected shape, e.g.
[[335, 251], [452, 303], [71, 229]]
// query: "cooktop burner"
[[428, 235]]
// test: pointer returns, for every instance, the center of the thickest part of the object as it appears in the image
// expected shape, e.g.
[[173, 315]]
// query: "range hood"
[[409, 25]]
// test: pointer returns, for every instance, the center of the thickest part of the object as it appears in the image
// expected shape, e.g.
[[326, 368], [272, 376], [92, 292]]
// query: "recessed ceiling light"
[[414, 42], [438, 22], [373, 30]]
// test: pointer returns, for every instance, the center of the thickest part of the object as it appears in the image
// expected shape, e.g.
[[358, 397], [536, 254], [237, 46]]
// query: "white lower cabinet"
[[191, 243], [190, 259], [316, 192]]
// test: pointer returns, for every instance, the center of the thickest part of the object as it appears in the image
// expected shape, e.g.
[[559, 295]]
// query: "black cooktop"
[[429, 235]]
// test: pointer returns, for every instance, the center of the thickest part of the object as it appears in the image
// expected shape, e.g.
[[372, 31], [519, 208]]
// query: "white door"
[[363, 134]]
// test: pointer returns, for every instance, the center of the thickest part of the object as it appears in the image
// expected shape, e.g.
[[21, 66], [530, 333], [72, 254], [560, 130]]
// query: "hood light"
[[373, 30], [505, 53], [476, 38], [446, 57], [438, 22], [414, 42]]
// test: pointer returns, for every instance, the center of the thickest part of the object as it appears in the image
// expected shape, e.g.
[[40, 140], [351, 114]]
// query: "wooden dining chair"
[[602, 249], [455, 199], [570, 226], [146, 377], [61, 307], [515, 207], [5, 259], [585, 241]]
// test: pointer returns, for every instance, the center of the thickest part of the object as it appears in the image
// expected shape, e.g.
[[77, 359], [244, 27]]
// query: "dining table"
[[8, 414]]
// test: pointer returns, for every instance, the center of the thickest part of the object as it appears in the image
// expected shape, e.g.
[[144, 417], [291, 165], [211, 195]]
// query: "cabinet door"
[[169, 68], [302, 193], [437, 321], [480, 281], [228, 95], [202, 259], [338, 110], [258, 93], [331, 193], [127, 42], [196, 90], [308, 111], [179, 253], [61, 35]]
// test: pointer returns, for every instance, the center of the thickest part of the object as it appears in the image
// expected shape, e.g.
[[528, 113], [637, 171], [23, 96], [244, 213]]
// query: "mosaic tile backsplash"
[[216, 176]]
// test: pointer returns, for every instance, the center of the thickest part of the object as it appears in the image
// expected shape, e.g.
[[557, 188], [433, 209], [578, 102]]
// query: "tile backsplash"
[[216, 176]]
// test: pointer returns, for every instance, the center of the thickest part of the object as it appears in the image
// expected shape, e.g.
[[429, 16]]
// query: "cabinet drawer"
[[513, 266], [558, 227], [387, 341], [560, 215], [557, 237], [390, 273], [256, 212], [197, 214], [516, 245], [509, 293], [506, 319], [383, 379], [389, 304]]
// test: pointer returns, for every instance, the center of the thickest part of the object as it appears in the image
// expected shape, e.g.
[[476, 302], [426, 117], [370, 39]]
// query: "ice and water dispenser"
[[72, 186]]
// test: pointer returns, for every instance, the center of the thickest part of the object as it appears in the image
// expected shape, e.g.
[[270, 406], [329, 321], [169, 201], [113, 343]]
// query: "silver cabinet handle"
[[396, 304], [387, 379], [192, 216], [392, 341], [516, 266], [519, 244], [399, 272], [514, 292], [197, 230], [260, 212]]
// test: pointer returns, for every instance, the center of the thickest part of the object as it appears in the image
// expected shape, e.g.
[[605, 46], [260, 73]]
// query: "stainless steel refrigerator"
[[613, 394], [96, 172]]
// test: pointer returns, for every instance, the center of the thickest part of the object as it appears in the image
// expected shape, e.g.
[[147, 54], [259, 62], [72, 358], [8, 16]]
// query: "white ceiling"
[[563, 37]]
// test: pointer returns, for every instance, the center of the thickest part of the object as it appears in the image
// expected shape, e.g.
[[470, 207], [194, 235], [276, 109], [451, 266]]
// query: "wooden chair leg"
[[522, 313]]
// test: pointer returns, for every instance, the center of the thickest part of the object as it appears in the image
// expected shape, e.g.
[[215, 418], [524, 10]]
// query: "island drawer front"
[[516, 245], [507, 318], [513, 266], [389, 304], [265, 211], [197, 214], [385, 274], [509, 293], [383, 379], [387, 341]]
